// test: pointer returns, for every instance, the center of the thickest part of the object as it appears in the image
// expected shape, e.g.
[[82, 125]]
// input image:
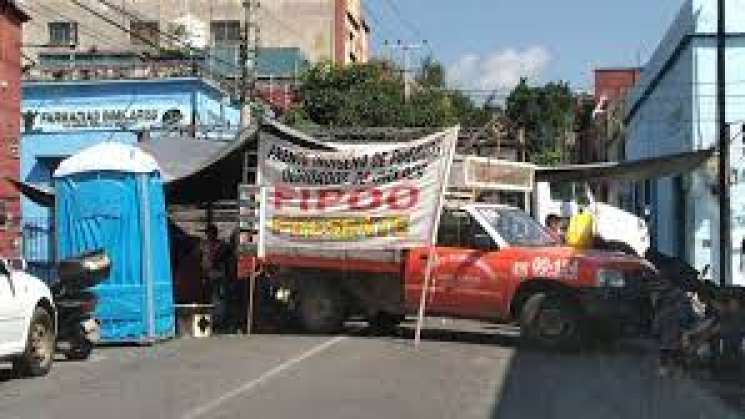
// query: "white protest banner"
[[361, 197]]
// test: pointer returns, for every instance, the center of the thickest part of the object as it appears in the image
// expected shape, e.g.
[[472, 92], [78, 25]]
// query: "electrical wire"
[[53, 14], [201, 51]]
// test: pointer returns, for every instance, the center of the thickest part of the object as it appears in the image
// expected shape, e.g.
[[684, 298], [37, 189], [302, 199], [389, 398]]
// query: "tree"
[[547, 113], [368, 95]]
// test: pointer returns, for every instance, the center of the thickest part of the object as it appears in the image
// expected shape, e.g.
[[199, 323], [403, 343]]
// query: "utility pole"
[[249, 55], [406, 49], [725, 231]]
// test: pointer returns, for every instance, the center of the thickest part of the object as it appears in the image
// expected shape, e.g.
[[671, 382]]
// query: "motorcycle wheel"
[[80, 351]]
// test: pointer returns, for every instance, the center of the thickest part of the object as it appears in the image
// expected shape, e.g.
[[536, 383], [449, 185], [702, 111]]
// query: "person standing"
[[215, 273]]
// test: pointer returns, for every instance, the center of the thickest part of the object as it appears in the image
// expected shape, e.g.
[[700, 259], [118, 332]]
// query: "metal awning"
[[635, 170]]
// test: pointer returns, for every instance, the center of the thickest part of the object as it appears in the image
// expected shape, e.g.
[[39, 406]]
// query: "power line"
[[153, 44], [173, 37], [378, 22], [407, 23], [55, 14]]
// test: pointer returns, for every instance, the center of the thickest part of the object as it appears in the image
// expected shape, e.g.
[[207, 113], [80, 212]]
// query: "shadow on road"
[[603, 385]]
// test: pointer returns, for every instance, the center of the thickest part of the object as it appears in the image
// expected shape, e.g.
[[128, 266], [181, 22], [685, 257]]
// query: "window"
[[449, 233], [144, 33], [459, 229], [63, 33], [516, 227], [225, 31]]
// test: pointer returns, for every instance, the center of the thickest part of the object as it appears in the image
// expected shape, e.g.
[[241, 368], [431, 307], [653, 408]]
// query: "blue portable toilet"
[[110, 196]]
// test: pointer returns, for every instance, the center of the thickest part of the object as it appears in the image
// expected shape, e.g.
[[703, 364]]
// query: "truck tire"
[[80, 350], [383, 323], [321, 309], [38, 356], [549, 321]]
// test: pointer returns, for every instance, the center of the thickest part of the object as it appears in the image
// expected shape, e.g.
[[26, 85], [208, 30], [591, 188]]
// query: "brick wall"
[[10, 109]]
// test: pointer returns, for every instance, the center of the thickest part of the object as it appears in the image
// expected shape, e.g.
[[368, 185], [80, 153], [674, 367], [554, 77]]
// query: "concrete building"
[[64, 117], [333, 30], [11, 20], [672, 110]]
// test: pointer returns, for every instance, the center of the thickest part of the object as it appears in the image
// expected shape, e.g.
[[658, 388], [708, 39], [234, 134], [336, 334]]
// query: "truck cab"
[[564, 199], [497, 263]]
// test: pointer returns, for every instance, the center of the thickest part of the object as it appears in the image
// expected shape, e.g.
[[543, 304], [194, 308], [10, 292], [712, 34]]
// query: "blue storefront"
[[61, 118]]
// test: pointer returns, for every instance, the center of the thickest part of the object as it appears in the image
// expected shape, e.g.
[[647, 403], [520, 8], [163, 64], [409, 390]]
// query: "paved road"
[[462, 370]]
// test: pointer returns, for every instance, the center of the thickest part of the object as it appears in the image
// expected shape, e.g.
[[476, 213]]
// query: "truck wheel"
[[38, 357], [385, 323], [321, 309], [550, 322], [80, 351]]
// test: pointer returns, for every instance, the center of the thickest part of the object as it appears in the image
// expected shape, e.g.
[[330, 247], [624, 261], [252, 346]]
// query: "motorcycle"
[[78, 330]]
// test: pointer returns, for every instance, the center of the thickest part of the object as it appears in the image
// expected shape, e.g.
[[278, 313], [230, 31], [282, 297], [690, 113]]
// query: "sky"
[[487, 44]]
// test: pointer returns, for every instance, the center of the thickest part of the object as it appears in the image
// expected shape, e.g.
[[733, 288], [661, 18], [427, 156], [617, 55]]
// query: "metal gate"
[[39, 247]]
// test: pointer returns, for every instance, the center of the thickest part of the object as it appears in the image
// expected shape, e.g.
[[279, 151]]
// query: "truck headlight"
[[610, 278]]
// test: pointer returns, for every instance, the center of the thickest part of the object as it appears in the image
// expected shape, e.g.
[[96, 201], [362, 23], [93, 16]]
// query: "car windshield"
[[516, 227]]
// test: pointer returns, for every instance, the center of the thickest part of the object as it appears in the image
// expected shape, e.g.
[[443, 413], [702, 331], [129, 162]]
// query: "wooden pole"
[[445, 179]]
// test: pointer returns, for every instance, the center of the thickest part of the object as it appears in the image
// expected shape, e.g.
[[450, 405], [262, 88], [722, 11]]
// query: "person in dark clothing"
[[215, 273], [732, 331], [673, 315]]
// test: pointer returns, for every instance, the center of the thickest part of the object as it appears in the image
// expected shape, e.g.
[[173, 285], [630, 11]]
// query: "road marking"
[[250, 385]]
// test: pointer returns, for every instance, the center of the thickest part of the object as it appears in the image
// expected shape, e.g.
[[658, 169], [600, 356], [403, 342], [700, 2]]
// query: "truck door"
[[464, 281], [11, 314]]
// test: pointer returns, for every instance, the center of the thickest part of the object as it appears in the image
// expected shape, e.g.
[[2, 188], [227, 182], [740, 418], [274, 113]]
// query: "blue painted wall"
[[70, 116], [673, 109]]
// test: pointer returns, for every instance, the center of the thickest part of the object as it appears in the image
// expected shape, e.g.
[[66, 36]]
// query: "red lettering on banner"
[[374, 201], [281, 195], [409, 200], [328, 198], [304, 199], [399, 198]]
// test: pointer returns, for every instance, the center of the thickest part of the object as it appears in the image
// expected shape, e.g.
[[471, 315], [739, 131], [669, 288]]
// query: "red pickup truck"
[[491, 262]]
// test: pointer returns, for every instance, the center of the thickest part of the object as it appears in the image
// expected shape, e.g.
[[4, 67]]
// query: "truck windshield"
[[516, 227]]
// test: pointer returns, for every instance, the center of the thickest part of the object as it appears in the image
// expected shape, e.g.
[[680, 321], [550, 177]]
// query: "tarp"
[[363, 197], [40, 195], [205, 171], [635, 170]]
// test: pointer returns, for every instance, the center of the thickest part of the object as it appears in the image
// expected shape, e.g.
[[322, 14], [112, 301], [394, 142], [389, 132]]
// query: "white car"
[[27, 320]]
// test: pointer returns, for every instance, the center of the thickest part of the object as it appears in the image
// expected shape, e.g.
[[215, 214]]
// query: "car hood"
[[589, 256], [30, 286]]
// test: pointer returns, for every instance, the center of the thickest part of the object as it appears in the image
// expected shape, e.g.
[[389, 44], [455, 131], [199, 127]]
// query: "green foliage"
[[547, 158], [546, 113], [372, 94]]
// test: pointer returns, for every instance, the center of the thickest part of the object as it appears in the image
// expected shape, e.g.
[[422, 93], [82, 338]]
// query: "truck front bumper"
[[616, 308]]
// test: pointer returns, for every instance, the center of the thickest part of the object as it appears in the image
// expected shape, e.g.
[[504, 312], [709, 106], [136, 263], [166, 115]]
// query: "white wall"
[[679, 114]]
